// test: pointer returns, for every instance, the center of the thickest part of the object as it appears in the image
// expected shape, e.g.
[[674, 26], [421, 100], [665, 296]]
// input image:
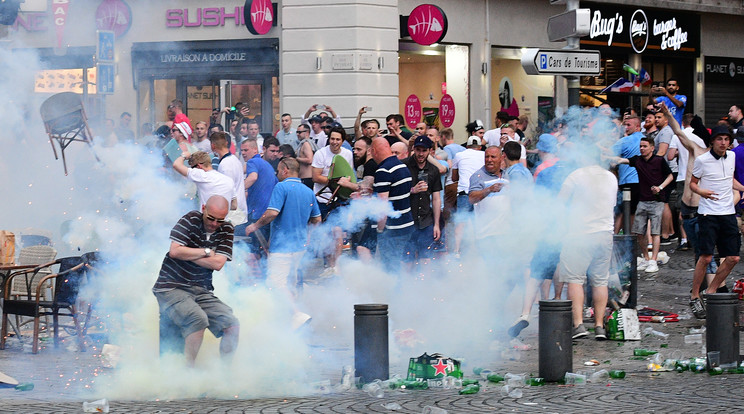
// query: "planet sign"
[[427, 24], [413, 111], [447, 111]]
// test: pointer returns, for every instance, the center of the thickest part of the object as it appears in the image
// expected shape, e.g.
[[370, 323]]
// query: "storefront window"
[[515, 92], [431, 71]]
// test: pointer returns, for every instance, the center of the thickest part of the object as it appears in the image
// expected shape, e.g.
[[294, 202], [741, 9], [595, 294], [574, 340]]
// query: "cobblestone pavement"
[[60, 377]]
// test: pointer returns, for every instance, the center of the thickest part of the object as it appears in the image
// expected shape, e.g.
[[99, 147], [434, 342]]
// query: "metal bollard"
[[626, 211], [722, 325], [371, 359], [555, 343]]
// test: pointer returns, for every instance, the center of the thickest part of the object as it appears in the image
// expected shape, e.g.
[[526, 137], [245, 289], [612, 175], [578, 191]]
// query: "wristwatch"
[[207, 252]]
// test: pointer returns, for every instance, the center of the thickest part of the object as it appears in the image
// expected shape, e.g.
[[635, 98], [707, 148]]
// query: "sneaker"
[[698, 308], [600, 333], [684, 246], [328, 272], [666, 241], [642, 264], [579, 331], [652, 267], [520, 324]]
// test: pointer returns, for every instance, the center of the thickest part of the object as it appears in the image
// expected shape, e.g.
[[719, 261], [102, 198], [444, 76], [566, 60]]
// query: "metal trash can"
[[555, 342], [371, 358], [722, 325]]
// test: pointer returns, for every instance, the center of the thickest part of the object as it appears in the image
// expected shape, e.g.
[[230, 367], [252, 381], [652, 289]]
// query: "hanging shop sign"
[[447, 111], [643, 30], [426, 25], [114, 15], [259, 16]]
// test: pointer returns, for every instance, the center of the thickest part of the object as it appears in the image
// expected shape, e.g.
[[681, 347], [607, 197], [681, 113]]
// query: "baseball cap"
[[184, 127], [315, 118], [547, 143], [423, 141], [721, 130], [473, 140]]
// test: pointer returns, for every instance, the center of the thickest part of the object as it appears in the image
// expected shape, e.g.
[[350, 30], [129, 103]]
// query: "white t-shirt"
[[493, 137], [716, 174], [323, 158], [591, 194], [209, 183], [203, 145], [684, 155], [233, 168], [466, 163]]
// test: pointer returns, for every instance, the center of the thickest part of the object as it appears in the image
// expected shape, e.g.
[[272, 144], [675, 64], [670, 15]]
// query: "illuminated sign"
[[643, 30], [207, 17], [114, 15], [260, 16]]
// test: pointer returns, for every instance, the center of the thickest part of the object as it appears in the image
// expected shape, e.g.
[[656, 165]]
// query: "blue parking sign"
[[543, 61], [105, 46], [105, 81]]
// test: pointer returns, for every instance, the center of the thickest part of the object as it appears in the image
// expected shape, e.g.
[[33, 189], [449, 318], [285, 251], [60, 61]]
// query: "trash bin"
[[722, 325], [371, 358], [555, 351]]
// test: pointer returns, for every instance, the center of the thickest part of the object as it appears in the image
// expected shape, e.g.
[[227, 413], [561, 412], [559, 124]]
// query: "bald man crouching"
[[201, 242]]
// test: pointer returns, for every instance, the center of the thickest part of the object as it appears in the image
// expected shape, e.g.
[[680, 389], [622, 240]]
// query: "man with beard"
[[364, 241], [425, 201], [673, 100]]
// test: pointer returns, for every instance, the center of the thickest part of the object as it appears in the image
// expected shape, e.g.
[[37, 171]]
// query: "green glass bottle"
[[715, 371], [643, 352], [617, 374], [536, 382], [25, 386], [467, 382], [414, 385], [470, 389], [495, 378]]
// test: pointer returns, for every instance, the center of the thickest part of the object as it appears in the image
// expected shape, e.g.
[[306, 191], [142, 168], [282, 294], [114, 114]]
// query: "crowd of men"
[[446, 199]]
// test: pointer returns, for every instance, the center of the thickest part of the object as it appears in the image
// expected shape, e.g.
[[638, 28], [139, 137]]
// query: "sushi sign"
[[427, 24]]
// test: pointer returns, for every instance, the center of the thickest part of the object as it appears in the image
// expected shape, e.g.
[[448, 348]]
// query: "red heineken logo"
[[427, 24], [260, 16], [440, 367]]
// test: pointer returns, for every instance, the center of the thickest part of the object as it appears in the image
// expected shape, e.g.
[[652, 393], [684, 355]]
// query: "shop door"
[[256, 94], [201, 97]]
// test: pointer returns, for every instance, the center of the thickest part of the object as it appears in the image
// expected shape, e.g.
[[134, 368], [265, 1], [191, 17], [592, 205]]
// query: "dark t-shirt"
[[423, 215], [392, 139], [190, 232], [650, 173], [370, 167]]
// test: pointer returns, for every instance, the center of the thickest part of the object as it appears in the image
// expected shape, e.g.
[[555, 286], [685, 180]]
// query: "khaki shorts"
[[194, 309], [585, 256]]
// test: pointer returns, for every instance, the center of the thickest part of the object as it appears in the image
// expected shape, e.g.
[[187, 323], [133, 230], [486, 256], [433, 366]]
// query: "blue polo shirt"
[[394, 178], [628, 147], [296, 204], [258, 195]]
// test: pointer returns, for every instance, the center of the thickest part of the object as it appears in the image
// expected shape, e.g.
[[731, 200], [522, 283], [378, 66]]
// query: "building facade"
[[349, 54]]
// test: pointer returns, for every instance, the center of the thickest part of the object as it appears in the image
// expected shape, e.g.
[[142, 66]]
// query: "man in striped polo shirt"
[[393, 183], [201, 242]]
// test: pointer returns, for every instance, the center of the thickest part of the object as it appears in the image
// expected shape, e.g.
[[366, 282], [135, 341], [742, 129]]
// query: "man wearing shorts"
[[589, 193], [713, 179], [654, 175], [201, 242]]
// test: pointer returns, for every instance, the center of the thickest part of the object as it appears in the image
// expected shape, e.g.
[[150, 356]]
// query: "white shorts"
[[585, 256], [281, 269]]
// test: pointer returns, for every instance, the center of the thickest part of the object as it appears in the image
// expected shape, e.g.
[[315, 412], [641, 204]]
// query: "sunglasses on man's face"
[[210, 218]]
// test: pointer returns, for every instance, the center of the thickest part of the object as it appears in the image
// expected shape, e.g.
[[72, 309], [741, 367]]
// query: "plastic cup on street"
[[433, 410], [714, 359], [575, 379], [374, 389], [98, 406]]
